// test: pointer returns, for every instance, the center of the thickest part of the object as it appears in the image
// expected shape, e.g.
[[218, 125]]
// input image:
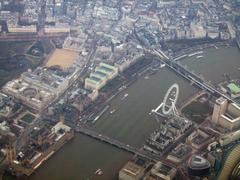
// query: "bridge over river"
[[126, 147], [187, 74], [182, 71]]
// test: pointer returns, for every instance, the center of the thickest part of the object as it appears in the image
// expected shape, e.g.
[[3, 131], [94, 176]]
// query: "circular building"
[[198, 166]]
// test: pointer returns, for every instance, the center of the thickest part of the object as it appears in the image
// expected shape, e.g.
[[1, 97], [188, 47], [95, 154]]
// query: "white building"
[[102, 74]]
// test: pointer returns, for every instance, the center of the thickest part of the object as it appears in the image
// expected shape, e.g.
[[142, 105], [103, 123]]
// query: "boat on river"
[[112, 111], [99, 172], [198, 57], [125, 96]]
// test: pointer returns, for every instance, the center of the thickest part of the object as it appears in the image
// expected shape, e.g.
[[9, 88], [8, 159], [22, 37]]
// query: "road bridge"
[[123, 146]]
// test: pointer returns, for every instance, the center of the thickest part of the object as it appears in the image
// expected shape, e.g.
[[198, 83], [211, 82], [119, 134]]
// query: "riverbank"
[[186, 52]]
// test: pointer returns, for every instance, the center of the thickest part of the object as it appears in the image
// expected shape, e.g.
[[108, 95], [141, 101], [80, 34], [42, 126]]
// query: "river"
[[131, 123], [215, 63]]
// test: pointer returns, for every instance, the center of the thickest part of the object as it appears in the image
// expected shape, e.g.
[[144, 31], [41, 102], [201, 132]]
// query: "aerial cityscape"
[[120, 89]]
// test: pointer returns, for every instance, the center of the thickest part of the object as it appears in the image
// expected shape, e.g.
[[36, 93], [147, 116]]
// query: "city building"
[[233, 89], [102, 74], [28, 94], [168, 133], [94, 83], [226, 114], [179, 153], [215, 159], [161, 171], [236, 172], [126, 55], [39, 88], [133, 170], [42, 145], [55, 80], [229, 138], [198, 166], [110, 71], [231, 164], [198, 139], [22, 29], [10, 153], [4, 128], [57, 29], [7, 105]]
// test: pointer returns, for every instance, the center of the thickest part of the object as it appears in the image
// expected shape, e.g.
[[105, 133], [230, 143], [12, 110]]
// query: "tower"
[[41, 18], [62, 118], [4, 26], [219, 108]]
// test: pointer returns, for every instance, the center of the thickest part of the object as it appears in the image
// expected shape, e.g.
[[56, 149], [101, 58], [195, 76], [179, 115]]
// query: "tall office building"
[[41, 17], [226, 114], [219, 108]]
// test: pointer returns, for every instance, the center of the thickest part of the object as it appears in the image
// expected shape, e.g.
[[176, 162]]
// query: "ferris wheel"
[[168, 106]]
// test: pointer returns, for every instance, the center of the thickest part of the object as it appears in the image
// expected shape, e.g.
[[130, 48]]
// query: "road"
[[29, 37]]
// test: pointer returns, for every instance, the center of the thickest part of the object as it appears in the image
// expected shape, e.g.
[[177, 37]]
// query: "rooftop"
[[93, 80], [198, 162], [98, 75], [234, 88], [160, 169], [105, 69], [101, 74], [132, 169]]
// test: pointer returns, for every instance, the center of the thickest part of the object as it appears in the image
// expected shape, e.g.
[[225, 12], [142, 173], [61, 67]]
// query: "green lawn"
[[9, 48]]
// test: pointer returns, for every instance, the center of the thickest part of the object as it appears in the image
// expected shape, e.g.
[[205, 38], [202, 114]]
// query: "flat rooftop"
[[198, 162], [107, 66], [93, 80], [199, 139], [140, 162], [100, 74], [106, 69], [132, 168], [181, 151], [164, 169]]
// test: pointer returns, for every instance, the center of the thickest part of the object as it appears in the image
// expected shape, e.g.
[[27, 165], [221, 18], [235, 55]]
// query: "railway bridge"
[[187, 74]]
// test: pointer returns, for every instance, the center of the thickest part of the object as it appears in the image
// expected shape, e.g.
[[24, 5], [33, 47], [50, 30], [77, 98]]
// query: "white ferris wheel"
[[168, 106]]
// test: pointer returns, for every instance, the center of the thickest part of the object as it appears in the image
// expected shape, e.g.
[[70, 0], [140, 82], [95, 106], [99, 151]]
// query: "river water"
[[131, 123], [215, 63]]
